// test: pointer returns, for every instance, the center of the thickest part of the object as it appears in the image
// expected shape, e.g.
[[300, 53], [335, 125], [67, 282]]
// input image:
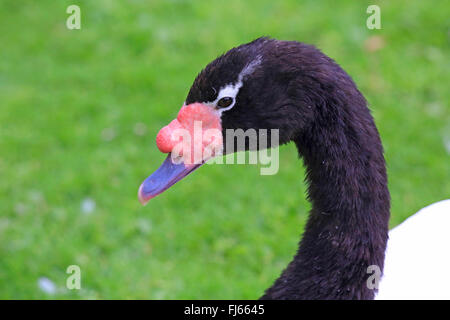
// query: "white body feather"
[[417, 263]]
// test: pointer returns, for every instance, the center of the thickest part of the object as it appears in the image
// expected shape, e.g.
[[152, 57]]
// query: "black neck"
[[347, 229]]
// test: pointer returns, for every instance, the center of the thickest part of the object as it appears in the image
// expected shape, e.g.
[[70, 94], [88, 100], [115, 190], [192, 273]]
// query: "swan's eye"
[[224, 102]]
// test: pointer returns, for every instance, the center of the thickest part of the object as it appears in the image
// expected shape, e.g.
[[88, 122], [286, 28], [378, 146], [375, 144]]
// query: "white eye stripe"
[[249, 68], [231, 90], [228, 91]]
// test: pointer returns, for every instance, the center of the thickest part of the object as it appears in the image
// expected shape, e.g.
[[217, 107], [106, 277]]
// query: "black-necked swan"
[[313, 102]]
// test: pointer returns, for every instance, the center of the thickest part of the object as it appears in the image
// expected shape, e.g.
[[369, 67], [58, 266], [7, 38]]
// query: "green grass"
[[74, 106]]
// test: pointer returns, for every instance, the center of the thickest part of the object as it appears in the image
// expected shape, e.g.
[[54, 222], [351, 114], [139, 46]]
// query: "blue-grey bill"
[[162, 179]]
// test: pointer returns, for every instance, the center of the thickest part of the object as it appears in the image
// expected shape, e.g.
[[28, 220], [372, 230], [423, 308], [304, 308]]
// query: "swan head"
[[263, 85]]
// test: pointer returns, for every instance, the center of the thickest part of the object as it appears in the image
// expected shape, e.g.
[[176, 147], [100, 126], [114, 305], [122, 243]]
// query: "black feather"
[[314, 103]]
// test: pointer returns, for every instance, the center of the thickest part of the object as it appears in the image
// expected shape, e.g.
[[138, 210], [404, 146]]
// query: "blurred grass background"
[[79, 111]]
